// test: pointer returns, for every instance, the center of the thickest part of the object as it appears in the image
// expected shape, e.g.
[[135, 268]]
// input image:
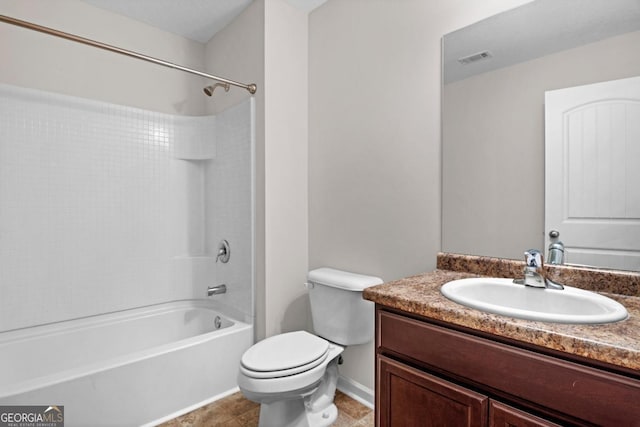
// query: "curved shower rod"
[[31, 26]]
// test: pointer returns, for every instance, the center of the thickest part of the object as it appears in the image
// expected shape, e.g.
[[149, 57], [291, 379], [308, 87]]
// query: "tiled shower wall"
[[105, 207], [228, 206]]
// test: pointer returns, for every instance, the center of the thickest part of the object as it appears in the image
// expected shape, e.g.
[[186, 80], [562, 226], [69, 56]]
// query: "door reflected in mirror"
[[592, 159]]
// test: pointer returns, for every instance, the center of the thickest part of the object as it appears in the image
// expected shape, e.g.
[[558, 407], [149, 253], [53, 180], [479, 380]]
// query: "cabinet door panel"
[[411, 398], [501, 415]]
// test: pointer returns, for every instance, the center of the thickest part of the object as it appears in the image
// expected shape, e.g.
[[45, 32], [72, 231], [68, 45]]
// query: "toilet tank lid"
[[342, 279]]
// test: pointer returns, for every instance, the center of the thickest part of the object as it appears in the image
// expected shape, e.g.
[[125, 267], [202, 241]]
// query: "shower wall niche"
[[106, 207]]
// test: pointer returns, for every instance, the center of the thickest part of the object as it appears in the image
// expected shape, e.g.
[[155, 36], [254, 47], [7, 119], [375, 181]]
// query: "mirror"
[[495, 75]]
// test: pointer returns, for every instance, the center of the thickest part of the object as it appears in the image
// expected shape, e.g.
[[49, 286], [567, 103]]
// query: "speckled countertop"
[[616, 344]]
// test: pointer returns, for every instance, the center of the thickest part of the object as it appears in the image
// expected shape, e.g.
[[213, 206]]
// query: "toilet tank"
[[338, 311]]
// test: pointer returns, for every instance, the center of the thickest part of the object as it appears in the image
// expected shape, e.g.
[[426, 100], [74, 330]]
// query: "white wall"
[[40, 61], [374, 137]]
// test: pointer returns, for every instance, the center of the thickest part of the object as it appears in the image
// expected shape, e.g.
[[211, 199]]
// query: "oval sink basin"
[[502, 296]]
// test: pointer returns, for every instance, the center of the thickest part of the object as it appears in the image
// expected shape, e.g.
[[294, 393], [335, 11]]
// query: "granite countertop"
[[616, 344]]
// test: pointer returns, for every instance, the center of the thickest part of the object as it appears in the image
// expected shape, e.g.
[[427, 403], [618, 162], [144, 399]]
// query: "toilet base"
[[323, 418], [312, 410], [292, 413]]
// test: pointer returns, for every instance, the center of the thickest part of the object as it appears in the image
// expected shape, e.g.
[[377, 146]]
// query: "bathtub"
[[129, 368]]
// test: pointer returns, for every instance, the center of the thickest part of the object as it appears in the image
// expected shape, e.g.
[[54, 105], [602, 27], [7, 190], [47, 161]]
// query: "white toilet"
[[294, 375]]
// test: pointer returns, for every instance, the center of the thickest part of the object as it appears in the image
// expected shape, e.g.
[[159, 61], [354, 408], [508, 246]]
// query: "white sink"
[[502, 296]]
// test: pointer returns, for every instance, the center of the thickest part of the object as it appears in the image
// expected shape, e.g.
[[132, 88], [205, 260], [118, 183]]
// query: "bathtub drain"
[[217, 322]]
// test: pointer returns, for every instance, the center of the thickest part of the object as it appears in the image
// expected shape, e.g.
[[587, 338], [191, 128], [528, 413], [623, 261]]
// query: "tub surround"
[[119, 207], [612, 345]]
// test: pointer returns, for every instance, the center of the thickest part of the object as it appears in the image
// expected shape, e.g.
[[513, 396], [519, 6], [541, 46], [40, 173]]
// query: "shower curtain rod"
[[31, 26]]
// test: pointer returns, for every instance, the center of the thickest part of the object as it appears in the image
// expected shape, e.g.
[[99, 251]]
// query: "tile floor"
[[236, 411]]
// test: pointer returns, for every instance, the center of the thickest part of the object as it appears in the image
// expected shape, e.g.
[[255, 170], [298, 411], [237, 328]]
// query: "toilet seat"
[[284, 386], [284, 355]]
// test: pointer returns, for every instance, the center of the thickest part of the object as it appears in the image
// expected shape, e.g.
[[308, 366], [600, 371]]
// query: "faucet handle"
[[533, 258], [224, 252]]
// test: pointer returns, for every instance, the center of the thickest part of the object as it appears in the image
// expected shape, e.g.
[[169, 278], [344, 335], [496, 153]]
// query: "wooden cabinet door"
[[501, 415], [408, 397]]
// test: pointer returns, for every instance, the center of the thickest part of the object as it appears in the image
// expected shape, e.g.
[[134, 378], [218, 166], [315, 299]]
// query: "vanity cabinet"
[[432, 374]]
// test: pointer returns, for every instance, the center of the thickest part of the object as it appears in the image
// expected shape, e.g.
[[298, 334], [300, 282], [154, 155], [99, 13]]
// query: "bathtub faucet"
[[216, 290]]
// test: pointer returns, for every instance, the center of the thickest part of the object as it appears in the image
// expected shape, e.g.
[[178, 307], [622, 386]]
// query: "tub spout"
[[216, 290]]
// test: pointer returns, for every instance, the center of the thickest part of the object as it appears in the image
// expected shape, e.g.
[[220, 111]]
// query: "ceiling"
[[197, 20], [534, 30]]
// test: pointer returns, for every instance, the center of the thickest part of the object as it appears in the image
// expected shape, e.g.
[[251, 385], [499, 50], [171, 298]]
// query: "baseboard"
[[356, 391]]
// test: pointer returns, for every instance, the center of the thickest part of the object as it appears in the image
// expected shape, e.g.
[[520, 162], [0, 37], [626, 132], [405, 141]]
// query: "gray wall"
[[374, 137]]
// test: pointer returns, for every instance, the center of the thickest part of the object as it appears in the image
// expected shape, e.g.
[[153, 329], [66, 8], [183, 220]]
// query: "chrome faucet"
[[224, 252], [216, 290], [533, 273]]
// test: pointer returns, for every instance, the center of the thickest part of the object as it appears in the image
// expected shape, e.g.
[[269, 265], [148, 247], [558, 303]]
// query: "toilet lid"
[[292, 352]]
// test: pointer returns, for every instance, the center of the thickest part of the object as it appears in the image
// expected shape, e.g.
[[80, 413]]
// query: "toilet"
[[294, 375]]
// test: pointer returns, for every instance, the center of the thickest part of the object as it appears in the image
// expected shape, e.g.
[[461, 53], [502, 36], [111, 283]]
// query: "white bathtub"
[[128, 368]]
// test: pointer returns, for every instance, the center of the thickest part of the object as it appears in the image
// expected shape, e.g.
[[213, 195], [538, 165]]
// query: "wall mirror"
[[495, 76]]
